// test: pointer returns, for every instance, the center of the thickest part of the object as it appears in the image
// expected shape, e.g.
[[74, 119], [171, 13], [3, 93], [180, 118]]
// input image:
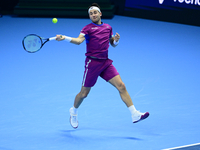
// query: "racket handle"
[[52, 38]]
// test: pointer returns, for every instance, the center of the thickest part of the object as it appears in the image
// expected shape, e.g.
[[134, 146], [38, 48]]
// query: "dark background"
[[178, 11]]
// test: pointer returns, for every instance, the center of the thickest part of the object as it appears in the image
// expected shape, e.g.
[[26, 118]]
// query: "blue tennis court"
[[159, 63]]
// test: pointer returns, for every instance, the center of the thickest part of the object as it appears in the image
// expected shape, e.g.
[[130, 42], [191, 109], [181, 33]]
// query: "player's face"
[[95, 16]]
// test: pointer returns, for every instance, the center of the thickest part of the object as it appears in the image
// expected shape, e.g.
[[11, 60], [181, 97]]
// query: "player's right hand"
[[60, 37]]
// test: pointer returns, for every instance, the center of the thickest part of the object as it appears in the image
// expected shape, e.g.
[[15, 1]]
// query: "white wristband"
[[67, 38], [115, 43]]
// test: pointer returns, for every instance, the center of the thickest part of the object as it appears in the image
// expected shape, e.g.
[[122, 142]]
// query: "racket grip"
[[52, 38]]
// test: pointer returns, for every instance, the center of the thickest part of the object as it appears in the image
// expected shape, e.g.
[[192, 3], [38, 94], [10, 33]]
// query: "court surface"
[[159, 63]]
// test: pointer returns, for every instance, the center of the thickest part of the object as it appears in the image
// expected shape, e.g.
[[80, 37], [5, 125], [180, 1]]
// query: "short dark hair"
[[95, 4]]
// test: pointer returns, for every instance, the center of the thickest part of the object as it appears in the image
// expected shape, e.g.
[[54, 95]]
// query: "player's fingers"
[[117, 37], [117, 34], [57, 37]]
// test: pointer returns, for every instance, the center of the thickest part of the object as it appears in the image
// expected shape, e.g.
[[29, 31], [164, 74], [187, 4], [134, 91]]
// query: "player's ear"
[[100, 13]]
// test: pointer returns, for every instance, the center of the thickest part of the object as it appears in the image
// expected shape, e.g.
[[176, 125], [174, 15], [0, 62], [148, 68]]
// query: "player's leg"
[[117, 82], [136, 115], [89, 79], [81, 95], [111, 75], [77, 102]]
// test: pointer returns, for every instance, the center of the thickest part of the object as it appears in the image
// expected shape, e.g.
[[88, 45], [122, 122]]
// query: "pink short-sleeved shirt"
[[97, 39]]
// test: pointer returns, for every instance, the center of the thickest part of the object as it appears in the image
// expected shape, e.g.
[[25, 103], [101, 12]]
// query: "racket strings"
[[32, 43]]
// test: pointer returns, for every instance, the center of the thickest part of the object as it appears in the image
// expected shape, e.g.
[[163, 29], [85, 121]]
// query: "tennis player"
[[98, 35]]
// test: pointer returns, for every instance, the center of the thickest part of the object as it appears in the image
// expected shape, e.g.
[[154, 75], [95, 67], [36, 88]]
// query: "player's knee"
[[83, 94], [121, 87]]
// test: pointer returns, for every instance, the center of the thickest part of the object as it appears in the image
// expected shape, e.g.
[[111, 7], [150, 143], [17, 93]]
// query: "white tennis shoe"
[[73, 118], [138, 116]]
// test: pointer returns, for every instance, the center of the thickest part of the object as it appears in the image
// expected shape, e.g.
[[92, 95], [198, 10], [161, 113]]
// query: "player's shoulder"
[[107, 25], [86, 27], [89, 25]]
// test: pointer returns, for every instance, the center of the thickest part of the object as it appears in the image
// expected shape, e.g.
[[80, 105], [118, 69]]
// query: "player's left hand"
[[117, 37]]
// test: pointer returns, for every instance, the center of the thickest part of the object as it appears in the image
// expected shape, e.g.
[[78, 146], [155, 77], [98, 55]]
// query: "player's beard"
[[97, 20]]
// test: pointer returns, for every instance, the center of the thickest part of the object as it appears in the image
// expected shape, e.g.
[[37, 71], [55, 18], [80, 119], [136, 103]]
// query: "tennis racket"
[[33, 43]]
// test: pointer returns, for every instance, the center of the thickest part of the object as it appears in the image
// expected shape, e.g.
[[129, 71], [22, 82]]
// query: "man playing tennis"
[[98, 35]]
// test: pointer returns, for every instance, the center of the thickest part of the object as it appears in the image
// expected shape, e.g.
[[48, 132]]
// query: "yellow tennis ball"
[[54, 20]]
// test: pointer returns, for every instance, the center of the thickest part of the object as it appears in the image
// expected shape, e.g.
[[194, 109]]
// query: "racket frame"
[[41, 39]]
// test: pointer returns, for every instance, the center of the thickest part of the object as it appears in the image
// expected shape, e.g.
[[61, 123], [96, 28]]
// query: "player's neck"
[[98, 22]]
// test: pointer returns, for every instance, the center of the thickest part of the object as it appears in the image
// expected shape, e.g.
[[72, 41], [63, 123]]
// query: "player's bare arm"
[[77, 40], [115, 38]]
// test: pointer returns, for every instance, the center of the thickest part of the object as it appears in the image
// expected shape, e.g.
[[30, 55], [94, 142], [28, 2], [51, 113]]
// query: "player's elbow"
[[79, 42]]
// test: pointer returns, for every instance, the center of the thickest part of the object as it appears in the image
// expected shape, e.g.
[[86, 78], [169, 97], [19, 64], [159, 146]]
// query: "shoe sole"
[[143, 117], [71, 124]]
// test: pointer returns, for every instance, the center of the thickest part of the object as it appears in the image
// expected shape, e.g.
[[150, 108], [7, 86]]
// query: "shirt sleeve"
[[84, 31]]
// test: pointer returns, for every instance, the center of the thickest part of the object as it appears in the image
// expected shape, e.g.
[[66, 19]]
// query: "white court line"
[[185, 146]]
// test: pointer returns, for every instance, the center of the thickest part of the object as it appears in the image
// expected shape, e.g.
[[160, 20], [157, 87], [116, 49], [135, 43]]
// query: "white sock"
[[132, 109], [75, 110]]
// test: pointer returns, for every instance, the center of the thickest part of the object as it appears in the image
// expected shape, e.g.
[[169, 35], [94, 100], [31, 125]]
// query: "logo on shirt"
[[94, 28]]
